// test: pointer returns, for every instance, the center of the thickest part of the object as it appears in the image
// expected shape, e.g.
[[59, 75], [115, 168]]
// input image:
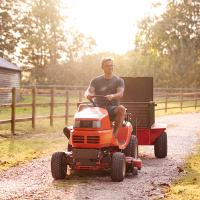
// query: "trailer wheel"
[[118, 169], [160, 146], [58, 165], [132, 149]]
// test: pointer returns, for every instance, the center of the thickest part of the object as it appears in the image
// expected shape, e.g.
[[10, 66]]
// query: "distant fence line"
[[177, 96], [163, 96]]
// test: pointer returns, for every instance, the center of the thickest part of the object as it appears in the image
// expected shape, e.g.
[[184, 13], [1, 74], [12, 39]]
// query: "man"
[[112, 87]]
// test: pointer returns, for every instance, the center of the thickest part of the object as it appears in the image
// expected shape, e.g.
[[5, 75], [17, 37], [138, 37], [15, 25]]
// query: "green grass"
[[21, 149], [33, 143], [187, 187]]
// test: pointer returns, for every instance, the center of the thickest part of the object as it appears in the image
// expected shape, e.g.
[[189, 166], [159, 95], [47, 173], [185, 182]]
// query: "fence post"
[[80, 96], [181, 99], [166, 100], [13, 111], [33, 106], [195, 99], [52, 107], [66, 108]]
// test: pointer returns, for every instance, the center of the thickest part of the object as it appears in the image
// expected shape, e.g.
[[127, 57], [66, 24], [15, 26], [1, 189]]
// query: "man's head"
[[107, 65]]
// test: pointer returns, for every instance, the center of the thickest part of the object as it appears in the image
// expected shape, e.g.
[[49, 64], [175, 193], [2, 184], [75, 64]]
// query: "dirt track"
[[34, 181]]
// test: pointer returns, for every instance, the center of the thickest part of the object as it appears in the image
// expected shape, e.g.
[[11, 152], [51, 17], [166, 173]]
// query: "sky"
[[112, 23]]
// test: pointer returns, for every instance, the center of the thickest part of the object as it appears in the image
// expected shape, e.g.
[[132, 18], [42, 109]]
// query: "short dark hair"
[[104, 60]]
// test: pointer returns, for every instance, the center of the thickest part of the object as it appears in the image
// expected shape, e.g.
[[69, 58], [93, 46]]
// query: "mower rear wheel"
[[118, 169], [59, 165], [132, 149], [160, 146]]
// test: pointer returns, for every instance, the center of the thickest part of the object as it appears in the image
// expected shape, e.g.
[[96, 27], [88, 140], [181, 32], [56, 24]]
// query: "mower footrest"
[[135, 162]]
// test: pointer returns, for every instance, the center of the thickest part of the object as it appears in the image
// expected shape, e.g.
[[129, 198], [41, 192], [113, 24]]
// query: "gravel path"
[[34, 181]]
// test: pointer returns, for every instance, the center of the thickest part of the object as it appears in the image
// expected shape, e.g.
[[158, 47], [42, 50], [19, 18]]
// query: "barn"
[[10, 76]]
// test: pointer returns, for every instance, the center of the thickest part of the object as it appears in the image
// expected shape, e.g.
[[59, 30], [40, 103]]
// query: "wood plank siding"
[[8, 78]]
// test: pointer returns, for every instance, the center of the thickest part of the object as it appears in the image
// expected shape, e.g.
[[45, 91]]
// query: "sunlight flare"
[[113, 24]]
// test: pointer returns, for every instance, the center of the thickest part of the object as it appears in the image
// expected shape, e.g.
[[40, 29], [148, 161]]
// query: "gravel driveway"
[[34, 180]]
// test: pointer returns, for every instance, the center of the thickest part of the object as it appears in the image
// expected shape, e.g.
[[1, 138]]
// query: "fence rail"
[[178, 97], [34, 92], [165, 98]]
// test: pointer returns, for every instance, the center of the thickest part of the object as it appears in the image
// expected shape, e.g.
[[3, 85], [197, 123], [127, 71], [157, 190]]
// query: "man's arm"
[[90, 92], [118, 95]]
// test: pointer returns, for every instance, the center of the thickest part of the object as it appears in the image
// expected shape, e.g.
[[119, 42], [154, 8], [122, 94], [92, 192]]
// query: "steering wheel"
[[98, 96]]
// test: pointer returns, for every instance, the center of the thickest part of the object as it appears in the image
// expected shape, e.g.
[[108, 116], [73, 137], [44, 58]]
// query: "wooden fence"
[[165, 98], [51, 92], [174, 98]]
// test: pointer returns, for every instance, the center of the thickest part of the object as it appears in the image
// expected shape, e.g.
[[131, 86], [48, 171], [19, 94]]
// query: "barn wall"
[[8, 78]]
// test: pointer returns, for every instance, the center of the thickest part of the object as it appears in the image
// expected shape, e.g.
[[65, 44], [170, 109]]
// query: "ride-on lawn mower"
[[93, 146]]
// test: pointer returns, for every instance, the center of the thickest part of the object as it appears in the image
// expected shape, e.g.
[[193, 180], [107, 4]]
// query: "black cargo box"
[[138, 99]]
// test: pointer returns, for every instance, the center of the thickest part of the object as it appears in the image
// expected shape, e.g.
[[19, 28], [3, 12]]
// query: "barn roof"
[[7, 65]]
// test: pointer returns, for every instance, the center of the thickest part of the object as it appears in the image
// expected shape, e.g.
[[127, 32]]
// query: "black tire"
[[160, 146], [59, 165], [135, 171], [118, 169], [132, 149]]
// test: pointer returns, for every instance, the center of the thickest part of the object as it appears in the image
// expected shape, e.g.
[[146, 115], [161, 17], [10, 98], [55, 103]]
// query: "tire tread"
[[160, 146], [118, 160], [58, 165]]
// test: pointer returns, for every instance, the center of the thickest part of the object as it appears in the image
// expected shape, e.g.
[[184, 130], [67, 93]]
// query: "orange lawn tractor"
[[92, 145]]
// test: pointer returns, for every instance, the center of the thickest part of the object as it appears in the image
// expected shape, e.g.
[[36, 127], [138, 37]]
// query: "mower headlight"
[[96, 124], [87, 124], [77, 123]]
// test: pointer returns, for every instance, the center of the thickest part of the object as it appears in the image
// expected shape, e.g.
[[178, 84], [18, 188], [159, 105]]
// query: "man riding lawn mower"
[[103, 137], [108, 89]]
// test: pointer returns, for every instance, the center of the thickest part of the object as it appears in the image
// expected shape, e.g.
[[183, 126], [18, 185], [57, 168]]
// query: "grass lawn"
[[23, 148], [31, 143], [188, 186]]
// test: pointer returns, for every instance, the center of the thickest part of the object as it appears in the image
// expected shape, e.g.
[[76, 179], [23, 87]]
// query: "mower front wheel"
[[132, 149], [59, 165], [160, 146], [118, 169]]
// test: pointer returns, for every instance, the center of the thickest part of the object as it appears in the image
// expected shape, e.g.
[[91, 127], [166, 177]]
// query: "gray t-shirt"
[[105, 86]]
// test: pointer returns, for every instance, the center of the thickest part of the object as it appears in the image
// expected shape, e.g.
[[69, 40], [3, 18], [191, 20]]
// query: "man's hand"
[[118, 95], [109, 97], [89, 97]]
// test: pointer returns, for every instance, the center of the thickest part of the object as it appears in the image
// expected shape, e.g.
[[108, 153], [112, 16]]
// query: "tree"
[[174, 39], [42, 36], [47, 45], [8, 29]]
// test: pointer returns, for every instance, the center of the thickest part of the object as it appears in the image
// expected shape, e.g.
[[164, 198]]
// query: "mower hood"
[[91, 113]]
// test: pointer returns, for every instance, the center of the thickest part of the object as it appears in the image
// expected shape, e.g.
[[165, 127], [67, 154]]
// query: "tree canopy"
[[8, 29], [172, 42], [34, 34]]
